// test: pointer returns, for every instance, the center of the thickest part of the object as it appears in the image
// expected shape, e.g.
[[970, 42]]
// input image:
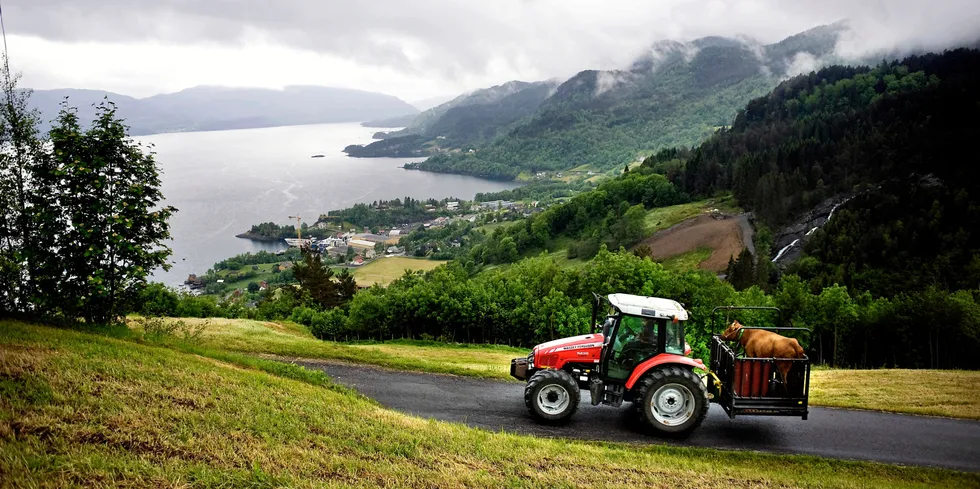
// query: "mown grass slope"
[[950, 393], [80, 409], [291, 340]]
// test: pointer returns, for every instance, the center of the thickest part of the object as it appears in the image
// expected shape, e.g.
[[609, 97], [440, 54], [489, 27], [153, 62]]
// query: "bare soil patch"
[[722, 234]]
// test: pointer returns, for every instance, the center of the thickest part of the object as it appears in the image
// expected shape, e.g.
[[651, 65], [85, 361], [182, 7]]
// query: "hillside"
[[463, 122], [892, 137], [207, 108], [676, 94], [86, 410]]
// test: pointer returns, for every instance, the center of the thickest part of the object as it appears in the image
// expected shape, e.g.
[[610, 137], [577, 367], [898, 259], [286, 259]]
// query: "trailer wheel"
[[672, 400], [552, 395]]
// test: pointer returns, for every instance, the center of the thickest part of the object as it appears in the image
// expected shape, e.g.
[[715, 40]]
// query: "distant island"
[[209, 108]]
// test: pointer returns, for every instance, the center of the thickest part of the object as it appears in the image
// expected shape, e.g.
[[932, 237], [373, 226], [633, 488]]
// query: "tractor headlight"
[[530, 360]]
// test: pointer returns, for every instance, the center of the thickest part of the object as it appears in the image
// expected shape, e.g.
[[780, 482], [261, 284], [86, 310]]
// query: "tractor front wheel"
[[552, 395], [671, 400]]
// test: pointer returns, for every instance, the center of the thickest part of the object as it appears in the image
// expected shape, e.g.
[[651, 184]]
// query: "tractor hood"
[[581, 341], [584, 349]]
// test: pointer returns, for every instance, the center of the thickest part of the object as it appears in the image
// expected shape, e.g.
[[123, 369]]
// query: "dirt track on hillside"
[[722, 236]]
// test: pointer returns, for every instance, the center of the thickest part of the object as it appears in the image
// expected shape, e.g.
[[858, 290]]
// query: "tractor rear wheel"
[[552, 395], [672, 400]]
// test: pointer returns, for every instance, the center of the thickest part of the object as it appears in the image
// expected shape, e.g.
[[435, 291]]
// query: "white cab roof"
[[654, 307]]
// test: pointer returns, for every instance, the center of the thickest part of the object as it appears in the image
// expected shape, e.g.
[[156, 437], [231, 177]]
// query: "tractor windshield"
[[674, 341]]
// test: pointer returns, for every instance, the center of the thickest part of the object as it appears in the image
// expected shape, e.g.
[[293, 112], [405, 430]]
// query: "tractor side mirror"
[[607, 328], [596, 300]]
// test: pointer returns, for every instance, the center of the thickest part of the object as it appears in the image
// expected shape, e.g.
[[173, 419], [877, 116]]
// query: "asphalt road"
[[837, 433]]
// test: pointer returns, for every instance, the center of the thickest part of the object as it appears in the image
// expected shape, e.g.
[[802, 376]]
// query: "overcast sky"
[[413, 49]]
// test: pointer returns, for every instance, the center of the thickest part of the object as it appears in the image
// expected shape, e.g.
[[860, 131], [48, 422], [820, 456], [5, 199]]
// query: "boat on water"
[[298, 243], [317, 156]]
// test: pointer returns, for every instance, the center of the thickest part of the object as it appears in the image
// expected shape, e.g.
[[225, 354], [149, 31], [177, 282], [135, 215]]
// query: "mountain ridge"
[[672, 94], [205, 108]]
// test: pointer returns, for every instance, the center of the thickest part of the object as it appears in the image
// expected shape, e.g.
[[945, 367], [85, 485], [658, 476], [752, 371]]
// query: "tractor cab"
[[637, 329]]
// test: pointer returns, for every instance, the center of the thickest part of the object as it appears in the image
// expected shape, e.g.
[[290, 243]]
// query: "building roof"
[[655, 307], [360, 243], [377, 238]]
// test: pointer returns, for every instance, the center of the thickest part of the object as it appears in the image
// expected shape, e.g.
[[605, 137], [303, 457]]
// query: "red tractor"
[[640, 356]]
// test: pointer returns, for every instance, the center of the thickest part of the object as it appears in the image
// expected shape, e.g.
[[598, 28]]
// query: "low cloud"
[[608, 80], [459, 45]]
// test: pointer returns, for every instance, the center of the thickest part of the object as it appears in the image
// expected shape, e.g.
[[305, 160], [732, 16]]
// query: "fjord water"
[[222, 182]]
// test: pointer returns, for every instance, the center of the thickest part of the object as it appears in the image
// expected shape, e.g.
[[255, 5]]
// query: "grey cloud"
[[458, 39]]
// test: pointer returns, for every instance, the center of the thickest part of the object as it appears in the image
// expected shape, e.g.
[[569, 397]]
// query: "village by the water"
[[348, 246]]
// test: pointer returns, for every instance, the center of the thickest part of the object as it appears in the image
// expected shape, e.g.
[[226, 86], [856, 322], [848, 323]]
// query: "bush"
[[197, 306], [329, 324], [157, 299]]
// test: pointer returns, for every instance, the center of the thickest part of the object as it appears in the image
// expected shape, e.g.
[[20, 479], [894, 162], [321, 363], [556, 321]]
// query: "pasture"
[[383, 271]]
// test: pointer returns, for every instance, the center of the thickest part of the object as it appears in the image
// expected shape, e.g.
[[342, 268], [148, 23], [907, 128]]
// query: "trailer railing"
[[751, 386]]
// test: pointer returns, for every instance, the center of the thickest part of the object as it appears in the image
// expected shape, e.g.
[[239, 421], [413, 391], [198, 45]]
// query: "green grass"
[[687, 261], [950, 393], [561, 257], [383, 271], [291, 340], [79, 409], [662, 218], [489, 228], [264, 272]]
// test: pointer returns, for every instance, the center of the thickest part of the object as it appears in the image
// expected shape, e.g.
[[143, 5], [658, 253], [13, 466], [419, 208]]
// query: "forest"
[[840, 129], [891, 138], [612, 215]]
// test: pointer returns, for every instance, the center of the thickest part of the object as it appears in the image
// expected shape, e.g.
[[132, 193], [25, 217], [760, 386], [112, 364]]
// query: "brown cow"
[[759, 343]]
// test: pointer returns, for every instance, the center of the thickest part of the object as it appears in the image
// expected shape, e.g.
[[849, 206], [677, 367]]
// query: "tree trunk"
[[834, 364]]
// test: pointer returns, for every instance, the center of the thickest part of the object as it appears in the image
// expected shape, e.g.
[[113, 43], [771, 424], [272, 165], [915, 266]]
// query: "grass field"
[[951, 393], [686, 262], [263, 272], [664, 217], [383, 270], [930, 392], [291, 340], [489, 228], [661, 218], [80, 409]]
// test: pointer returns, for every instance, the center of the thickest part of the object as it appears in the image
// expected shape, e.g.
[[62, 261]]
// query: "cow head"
[[731, 332]]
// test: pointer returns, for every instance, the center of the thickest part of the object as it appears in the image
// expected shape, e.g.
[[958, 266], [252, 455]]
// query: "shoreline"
[[257, 237]]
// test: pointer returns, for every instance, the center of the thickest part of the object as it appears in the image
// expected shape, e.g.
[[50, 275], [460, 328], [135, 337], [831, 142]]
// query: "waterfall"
[[785, 248], [811, 231]]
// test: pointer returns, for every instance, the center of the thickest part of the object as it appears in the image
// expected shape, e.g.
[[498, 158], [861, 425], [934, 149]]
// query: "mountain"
[[207, 108], [675, 94], [467, 120], [427, 120]]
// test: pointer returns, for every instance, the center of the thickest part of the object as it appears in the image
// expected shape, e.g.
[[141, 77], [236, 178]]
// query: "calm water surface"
[[222, 182]]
